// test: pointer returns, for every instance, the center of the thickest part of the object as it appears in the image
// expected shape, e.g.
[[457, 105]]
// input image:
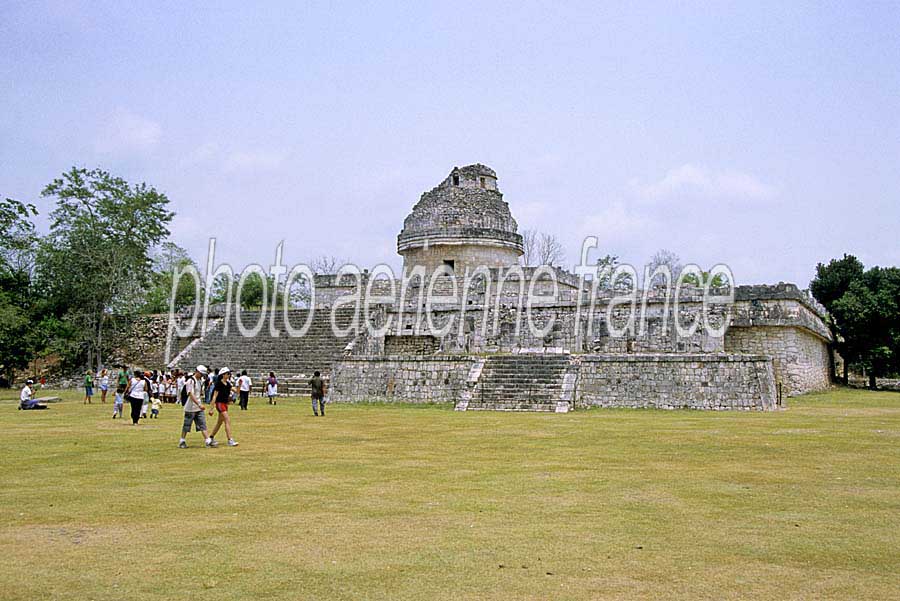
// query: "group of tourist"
[[202, 389]]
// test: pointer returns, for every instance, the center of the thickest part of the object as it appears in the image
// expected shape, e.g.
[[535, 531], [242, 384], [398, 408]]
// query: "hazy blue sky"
[[763, 135]]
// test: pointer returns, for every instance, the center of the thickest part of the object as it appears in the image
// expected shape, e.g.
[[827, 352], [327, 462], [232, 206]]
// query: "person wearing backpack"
[[194, 410]]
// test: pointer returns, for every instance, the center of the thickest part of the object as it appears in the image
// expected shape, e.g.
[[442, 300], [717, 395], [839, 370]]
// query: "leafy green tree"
[[864, 307], [17, 247], [169, 258], [97, 258]]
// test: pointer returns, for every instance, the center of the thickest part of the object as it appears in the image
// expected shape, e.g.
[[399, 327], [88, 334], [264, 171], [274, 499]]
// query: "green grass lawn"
[[401, 502]]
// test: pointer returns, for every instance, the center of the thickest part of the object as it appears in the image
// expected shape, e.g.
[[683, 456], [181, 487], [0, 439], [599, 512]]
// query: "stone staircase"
[[521, 382], [292, 359]]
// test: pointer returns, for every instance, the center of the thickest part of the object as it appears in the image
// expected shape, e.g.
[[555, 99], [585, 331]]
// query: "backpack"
[[184, 393]]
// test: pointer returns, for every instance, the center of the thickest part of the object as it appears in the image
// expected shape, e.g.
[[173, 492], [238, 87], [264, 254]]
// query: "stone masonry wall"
[[669, 381], [438, 379], [800, 358]]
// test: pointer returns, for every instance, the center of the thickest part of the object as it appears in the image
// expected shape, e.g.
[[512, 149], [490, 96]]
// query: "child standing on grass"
[[154, 408], [272, 388], [88, 387], [119, 402]]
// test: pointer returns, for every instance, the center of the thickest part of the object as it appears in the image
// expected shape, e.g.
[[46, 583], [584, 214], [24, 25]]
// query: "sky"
[[765, 136]]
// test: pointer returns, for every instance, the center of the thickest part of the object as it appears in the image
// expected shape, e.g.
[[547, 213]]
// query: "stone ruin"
[[768, 343]]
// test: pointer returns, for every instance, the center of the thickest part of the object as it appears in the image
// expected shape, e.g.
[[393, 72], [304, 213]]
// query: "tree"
[[833, 280], [98, 253], [550, 250], [864, 308], [664, 259], [529, 247], [540, 248], [17, 245], [166, 260]]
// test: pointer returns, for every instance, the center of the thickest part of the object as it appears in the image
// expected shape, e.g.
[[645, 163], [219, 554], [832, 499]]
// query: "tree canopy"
[[864, 307]]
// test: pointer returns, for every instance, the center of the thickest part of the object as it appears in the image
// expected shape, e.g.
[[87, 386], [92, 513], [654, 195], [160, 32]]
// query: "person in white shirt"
[[244, 385], [135, 395], [25, 400], [193, 408], [104, 385]]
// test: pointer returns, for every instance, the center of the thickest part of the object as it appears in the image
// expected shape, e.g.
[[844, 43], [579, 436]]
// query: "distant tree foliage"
[[864, 307], [19, 337]]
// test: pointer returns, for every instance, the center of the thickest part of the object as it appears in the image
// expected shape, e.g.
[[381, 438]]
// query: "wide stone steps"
[[287, 356], [520, 382]]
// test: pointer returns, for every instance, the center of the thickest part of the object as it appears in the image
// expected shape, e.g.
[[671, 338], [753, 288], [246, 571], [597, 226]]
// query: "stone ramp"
[[293, 359], [522, 382]]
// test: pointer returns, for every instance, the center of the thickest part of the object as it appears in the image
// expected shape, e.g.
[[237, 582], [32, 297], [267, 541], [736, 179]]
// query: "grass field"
[[401, 502]]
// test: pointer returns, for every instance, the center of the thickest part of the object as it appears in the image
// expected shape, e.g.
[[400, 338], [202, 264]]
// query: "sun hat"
[[202, 369], [224, 370], [29, 381]]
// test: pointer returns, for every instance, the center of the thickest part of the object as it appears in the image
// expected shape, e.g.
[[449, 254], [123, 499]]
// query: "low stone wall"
[[800, 358], [669, 381], [436, 379]]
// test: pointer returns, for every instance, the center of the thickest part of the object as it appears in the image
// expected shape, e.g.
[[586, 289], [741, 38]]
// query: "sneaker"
[[212, 443], [182, 445], [232, 443]]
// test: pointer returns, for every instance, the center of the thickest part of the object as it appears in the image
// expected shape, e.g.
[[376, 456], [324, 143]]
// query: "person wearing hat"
[[25, 400], [194, 410], [221, 399]]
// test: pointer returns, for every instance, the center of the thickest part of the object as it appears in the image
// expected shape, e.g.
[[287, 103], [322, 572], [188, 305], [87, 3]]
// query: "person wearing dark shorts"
[[194, 410], [222, 398], [317, 388]]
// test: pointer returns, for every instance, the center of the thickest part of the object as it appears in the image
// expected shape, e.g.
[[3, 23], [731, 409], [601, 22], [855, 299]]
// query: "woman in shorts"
[[221, 399]]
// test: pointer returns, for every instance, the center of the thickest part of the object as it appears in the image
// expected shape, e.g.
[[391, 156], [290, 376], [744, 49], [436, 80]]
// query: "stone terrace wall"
[[437, 379], [801, 359], [668, 381]]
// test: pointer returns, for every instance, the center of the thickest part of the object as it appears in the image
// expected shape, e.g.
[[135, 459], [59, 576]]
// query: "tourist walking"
[[222, 398], [88, 387], [104, 384], [136, 389], [194, 409], [245, 384], [272, 388], [317, 388], [119, 402]]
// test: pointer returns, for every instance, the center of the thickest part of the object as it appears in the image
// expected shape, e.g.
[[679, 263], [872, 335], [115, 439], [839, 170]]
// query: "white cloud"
[[128, 132], [699, 181], [254, 160]]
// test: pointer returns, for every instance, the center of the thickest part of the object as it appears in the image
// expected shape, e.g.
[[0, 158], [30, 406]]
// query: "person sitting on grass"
[[194, 409], [222, 397], [25, 400]]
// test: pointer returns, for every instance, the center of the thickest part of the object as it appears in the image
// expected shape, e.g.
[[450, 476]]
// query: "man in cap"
[[25, 400], [221, 399], [192, 399]]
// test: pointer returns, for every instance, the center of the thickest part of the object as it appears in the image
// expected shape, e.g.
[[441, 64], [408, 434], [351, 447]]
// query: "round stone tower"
[[462, 223]]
